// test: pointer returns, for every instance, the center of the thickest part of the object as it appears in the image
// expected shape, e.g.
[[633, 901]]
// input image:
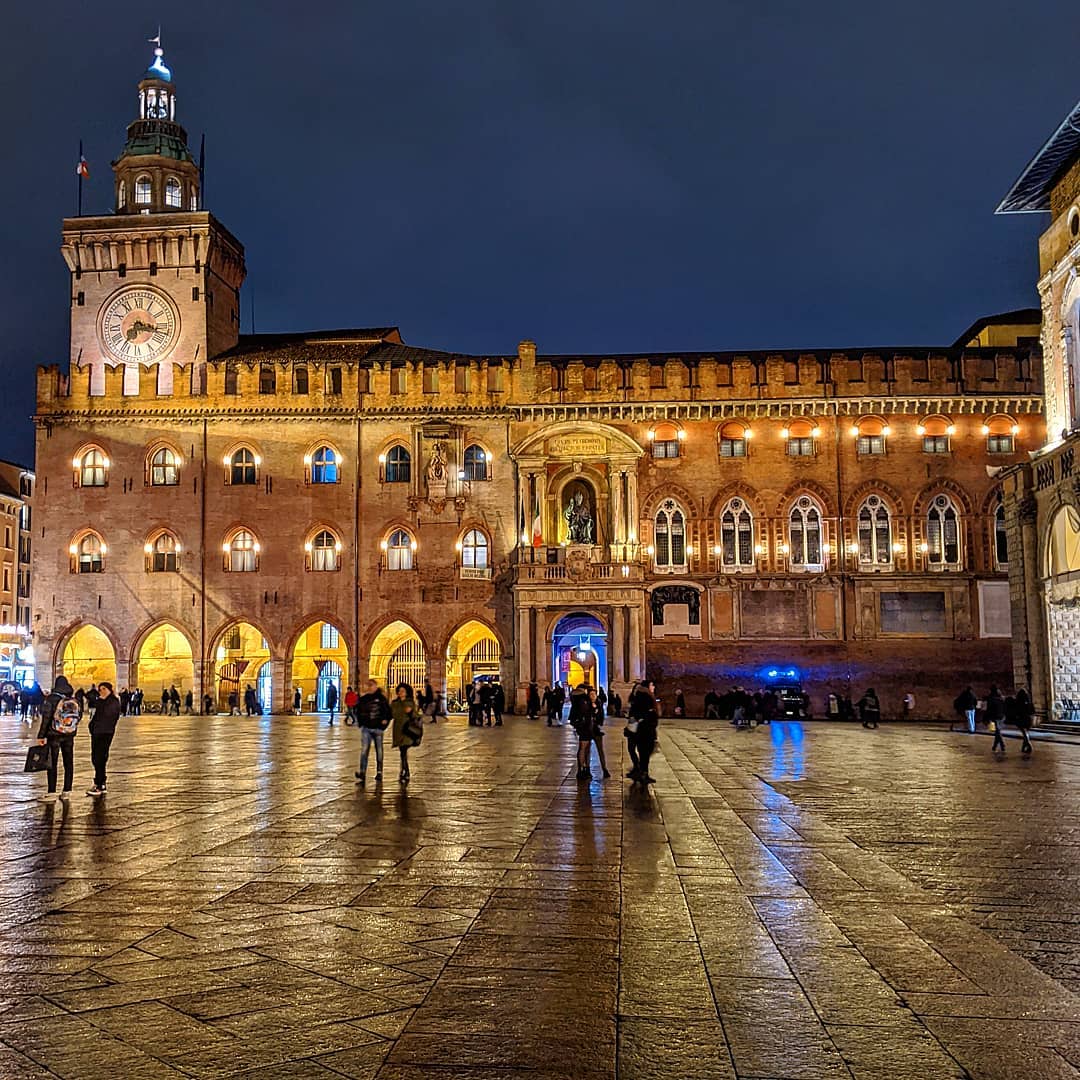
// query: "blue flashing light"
[[782, 673]]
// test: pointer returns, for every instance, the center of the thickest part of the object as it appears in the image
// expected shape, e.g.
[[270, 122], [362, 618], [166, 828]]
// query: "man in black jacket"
[[102, 730], [373, 716]]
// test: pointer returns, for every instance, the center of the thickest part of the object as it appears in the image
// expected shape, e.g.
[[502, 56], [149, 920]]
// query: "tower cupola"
[[155, 173]]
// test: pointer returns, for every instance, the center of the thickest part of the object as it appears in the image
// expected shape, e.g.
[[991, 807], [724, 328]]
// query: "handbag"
[[413, 730], [631, 727], [37, 758]]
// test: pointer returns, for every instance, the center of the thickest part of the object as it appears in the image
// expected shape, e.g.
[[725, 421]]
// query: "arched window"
[[399, 550], [1001, 539], [173, 193], [324, 466], [670, 537], [943, 534], [89, 554], [1001, 432], [474, 549], [875, 533], [733, 437], [163, 554], [193, 202], [121, 194], [736, 536], [93, 468], [806, 545], [243, 465], [164, 468], [398, 465], [870, 433], [325, 551], [936, 432], [801, 436], [242, 552], [476, 463], [143, 191], [665, 439]]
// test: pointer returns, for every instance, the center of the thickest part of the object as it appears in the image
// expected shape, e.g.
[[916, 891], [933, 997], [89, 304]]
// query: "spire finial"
[[158, 68]]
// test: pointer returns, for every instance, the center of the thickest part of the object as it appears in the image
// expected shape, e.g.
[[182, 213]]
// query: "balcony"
[[580, 563]]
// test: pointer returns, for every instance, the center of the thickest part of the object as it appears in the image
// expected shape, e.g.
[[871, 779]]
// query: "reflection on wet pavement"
[[797, 901]]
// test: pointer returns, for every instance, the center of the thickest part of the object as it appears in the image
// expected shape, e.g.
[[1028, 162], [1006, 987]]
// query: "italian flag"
[[538, 528]]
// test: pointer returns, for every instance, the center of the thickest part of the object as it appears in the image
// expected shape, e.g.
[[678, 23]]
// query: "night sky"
[[601, 176]]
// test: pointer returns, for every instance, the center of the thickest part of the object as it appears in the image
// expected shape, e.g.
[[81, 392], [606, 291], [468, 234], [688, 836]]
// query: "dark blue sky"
[[604, 175]]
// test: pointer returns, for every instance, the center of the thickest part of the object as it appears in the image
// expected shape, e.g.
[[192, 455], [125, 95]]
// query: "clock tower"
[[155, 285]]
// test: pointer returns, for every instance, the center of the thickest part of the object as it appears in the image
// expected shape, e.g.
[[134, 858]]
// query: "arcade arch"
[[579, 650], [398, 655], [164, 659], [472, 651], [320, 659], [241, 657], [88, 657]]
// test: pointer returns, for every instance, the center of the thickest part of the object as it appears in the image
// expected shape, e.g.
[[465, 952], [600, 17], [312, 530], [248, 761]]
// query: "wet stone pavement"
[[818, 902]]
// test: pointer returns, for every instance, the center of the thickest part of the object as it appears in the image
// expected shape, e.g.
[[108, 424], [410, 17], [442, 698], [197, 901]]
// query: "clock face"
[[138, 325]]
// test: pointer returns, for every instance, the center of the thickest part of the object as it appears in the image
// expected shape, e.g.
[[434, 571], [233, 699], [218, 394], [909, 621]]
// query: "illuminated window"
[[93, 469], [242, 467], [733, 441], [324, 551], [398, 465], [121, 195], [665, 438], [143, 191], [1001, 539], [870, 432], [474, 549], [801, 438], [164, 468], [936, 432], [669, 537], [165, 554], [173, 193], [943, 534], [476, 463], [875, 533], [324, 466], [399, 551], [243, 554], [328, 636], [1000, 434], [806, 548], [91, 554], [736, 536]]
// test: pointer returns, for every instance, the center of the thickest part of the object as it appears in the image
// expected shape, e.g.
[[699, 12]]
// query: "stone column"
[[616, 649], [541, 502], [618, 514], [1034, 634], [632, 514], [280, 684], [199, 687], [637, 652], [436, 673], [523, 646]]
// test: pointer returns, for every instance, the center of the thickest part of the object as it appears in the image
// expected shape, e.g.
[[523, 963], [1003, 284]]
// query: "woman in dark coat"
[[407, 725], [648, 722], [1025, 714]]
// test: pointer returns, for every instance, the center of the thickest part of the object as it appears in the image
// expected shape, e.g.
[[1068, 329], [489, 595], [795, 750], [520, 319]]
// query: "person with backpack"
[[60, 716], [373, 716], [102, 730], [581, 720]]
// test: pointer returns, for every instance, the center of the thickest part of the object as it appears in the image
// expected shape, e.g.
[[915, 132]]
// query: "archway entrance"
[[88, 658], [398, 656], [164, 660], [320, 660], [579, 651], [1062, 590], [473, 652], [239, 656]]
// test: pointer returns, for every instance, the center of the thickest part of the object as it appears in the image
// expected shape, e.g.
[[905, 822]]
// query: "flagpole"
[[202, 172], [78, 212]]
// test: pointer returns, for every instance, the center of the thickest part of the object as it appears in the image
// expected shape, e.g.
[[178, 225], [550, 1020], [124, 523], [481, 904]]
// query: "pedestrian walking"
[[125, 701], [352, 699], [297, 702], [550, 704], [373, 716], [331, 701], [646, 733], [498, 702], [102, 730], [174, 701], [207, 704], [680, 703], [965, 705], [598, 730], [408, 731], [581, 720], [532, 702], [251, 702], [1025, 715], [189, 703], [60, 716], [995, 717], [869, 709]]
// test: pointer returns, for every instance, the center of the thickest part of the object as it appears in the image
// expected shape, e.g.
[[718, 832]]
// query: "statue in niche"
[[436, 478], [580, 526]]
